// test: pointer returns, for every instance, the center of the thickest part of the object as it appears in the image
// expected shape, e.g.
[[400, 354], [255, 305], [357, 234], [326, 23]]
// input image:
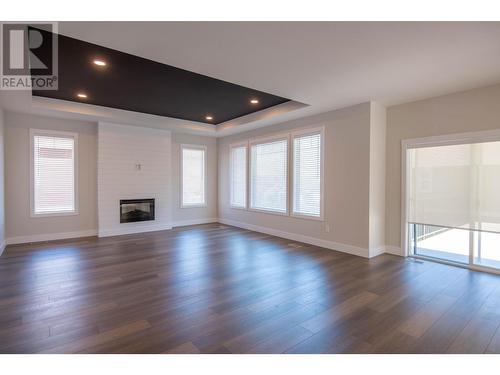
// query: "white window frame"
[[247, 174], [432, 141], [268, 139], [205, 182], [297, 134], [52, 133]]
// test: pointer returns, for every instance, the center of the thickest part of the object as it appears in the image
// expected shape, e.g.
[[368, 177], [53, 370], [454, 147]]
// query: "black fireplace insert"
[[132, 210]]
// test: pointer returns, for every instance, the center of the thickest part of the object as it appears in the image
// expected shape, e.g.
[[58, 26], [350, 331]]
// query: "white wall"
[[194, 215], [377, 178], [346, 188], [20, 227], [2, 181], [121, 148], [468, 111]]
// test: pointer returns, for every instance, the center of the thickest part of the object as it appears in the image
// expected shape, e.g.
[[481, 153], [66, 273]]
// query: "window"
[[452, 201], [307, 174], [268, 177], [238, 176], [53, 173], [193, 165]]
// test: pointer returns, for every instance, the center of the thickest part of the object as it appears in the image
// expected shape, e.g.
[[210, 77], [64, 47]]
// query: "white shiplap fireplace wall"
[[133, 163]]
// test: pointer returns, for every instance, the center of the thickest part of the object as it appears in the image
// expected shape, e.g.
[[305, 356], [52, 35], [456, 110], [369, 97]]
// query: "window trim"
[[262, 140], [53, 133], [237, 145], [181, 174], [297, 134]]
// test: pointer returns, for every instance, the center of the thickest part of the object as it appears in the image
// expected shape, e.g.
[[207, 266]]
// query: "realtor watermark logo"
[[29, 56]]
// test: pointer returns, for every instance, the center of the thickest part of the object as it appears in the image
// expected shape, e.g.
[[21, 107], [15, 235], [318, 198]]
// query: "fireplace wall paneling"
[[121, 149]]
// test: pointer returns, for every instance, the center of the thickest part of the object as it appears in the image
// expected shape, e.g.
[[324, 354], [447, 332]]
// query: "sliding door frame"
[[432, 141]]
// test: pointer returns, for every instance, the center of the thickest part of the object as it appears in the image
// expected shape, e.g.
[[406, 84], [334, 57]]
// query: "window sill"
[[238, 208], [54, 214], [279, 213], [307, 217], [204, 205]]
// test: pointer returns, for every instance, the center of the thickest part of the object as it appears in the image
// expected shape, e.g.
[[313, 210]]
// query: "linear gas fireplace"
[[132, 210]]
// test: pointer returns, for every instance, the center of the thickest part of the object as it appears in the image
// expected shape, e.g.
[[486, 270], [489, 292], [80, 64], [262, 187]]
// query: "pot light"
[[100, 62], [209, 118], [254, 101], [82, 95]]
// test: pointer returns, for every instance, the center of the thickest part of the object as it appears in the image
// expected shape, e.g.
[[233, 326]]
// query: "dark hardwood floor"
[[218, 289]]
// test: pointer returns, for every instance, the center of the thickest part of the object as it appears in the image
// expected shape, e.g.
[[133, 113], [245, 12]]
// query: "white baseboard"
[[394, 250], [50, 237], [350, 249], [2, 247], [183, 223], [374, 252], [133, 229]]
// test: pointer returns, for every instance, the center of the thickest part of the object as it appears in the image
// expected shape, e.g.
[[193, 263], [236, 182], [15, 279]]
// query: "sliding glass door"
[[453, 202]]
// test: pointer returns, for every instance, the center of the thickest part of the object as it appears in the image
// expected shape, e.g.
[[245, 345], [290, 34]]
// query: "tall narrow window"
[[268, 180], [193, 159], [307, 168], [53, 172], [238, 176]]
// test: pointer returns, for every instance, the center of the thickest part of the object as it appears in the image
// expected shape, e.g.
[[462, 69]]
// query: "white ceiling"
[[327, 65]]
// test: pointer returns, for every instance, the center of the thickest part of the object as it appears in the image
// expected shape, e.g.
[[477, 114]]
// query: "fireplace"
[[132, 210]]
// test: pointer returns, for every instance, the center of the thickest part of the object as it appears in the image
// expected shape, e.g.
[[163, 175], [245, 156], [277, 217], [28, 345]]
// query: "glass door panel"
[[449, 244], [487, 249]]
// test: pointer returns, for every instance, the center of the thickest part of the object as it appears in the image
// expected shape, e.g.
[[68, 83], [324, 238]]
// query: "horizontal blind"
[[193, 176], [54, 174], [307, 175], [455, 186], [238, 176], [269, 176]]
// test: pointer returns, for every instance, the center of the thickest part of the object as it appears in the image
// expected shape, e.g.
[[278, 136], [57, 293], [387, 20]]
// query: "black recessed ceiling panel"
[[136, 84]]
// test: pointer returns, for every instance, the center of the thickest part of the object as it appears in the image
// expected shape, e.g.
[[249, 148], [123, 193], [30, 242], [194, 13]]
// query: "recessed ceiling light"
[[82, 95], [100, 62], [254, 101], [209, 118]]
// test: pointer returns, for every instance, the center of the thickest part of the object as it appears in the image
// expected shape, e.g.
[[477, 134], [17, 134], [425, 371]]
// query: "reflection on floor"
[[219, 289]]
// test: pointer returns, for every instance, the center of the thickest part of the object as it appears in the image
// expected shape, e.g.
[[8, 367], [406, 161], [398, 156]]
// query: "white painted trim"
[[50, 237], [350, 249], [204, 148], [394, 250], [453, 139], [183, 223], [133, 229], [2, 247], [52, 133], [374, 252]]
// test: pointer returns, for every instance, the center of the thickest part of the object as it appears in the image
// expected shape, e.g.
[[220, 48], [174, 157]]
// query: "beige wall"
[[2, 181], [17, 167], [377, 178], [468, 111], [186, 216], [19, 224], [346, 188]]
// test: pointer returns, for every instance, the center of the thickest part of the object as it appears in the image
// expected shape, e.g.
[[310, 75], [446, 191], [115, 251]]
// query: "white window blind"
[[307, 175], [268, 180], [193, 176], [455, 186], [53, 174], [238, 176]]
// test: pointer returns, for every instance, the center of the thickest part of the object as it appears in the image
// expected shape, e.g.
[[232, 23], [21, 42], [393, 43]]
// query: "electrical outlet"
[[327, 228]]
